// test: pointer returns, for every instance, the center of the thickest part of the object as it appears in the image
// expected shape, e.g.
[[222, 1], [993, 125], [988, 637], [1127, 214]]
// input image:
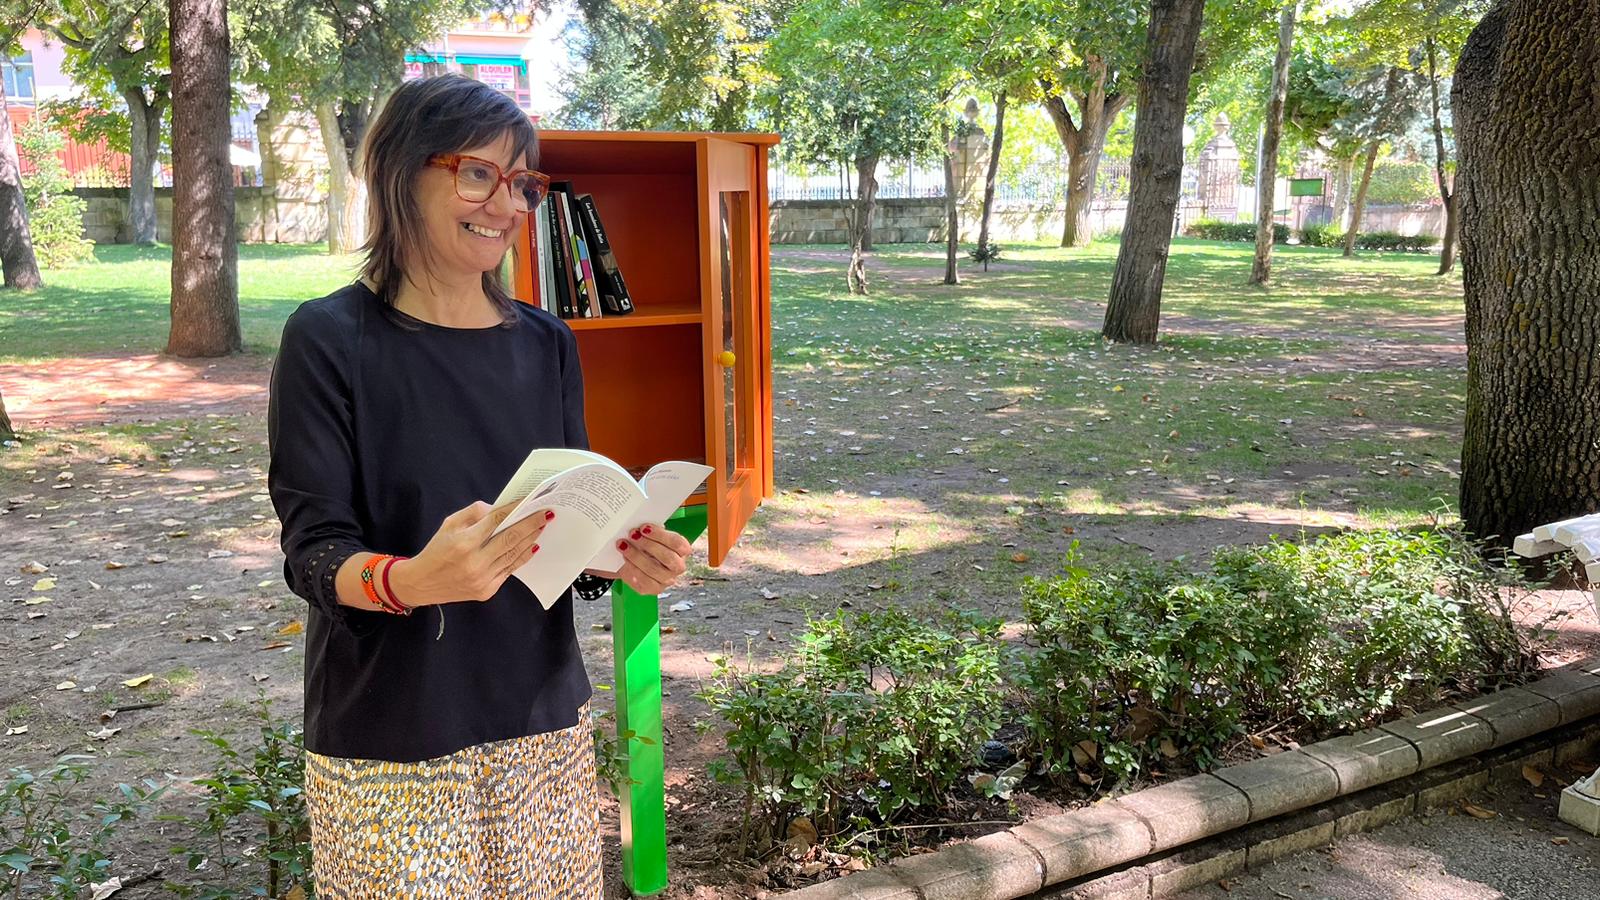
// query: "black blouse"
[[380, 425]]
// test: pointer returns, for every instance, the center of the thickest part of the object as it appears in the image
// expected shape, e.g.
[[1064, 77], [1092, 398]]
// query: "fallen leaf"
[[294, 627], [1478, 812], [141, 681], [35, 601], [66, 685], [1561, 841], [19, 729], [1258, 742], [276, 645], [114, 565], [104, 889], [44, 584], [1533, 776], [104, 733], [1168, 748], [35, 568], [1019, 557]]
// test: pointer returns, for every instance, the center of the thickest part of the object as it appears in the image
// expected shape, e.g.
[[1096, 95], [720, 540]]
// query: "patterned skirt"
[[514, 818]]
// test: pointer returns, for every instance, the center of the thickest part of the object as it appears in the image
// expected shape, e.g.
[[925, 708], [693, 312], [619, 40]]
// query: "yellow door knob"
[[726, 359]]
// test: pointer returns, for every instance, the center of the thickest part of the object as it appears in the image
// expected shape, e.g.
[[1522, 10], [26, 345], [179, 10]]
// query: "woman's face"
[[468, 238]]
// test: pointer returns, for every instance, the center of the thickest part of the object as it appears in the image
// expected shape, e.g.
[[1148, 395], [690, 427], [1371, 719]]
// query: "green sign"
[[1306, 187]]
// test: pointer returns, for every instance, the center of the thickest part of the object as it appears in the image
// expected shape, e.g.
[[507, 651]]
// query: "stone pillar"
[[298, 180], [1219, 174], [969, 152]]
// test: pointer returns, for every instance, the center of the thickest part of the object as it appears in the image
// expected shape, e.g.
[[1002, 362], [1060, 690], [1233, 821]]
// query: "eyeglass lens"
[[477, 181]]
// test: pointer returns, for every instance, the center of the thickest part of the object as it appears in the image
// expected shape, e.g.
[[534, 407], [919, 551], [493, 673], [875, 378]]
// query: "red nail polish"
[[549, 514], [647, 529], [622, 545], [534, 550], [636, 535]]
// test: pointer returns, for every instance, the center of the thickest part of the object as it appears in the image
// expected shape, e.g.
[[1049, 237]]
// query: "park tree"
[[341, 58], [1272, 132], [852, 88], [7, 432], [1423, 37], [1385, 105], [1527, 113], [205, 253], [1318, 102], [117, 49], [17, 258], [605, 91]]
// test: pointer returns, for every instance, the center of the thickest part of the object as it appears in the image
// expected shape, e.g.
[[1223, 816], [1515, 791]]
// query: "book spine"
[[560, 268], [541, 238], [587, 265], [580, 291], [613, 290]]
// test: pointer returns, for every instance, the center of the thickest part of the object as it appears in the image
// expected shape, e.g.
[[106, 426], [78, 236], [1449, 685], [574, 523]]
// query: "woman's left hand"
[[653, 559]]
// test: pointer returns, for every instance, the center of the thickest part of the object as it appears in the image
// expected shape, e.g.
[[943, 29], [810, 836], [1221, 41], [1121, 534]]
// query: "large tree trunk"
[[855, 275], [1133, 313], [1527, 110], [6, 431], [347, 208], [1267, 171], [144, 138], [997, 142], [1343, 174], [952, 211], [16, 242], [1084, 142], [1360, 204], [205, 283], [1447, 253]]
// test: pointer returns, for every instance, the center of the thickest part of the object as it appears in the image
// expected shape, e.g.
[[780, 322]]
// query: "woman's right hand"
[[465, 560]]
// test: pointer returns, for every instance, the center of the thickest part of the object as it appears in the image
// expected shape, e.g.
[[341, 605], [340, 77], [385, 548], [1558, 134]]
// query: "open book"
[[597, 503]]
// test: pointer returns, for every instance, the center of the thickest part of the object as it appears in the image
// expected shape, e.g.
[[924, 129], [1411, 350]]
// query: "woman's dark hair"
[[426, 117]]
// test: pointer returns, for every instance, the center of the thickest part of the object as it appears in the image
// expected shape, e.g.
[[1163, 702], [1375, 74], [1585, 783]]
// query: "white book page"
[[543, 463], [590, 502], [666, 486]]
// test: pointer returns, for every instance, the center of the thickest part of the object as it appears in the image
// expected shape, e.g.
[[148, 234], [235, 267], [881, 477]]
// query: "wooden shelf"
[[643, 317]]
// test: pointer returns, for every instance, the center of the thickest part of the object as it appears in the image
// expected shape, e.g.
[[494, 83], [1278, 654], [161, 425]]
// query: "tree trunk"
[[1527, 109], [1084, 142], [144, 143], [6, 431], [996, 143], [1343, 174], [205, 254], [1133, 313], [16, 241], [1447, 253], [1360, 204], [347, 224], [952, 212], [855, 275], [266, 129], [1267, 171]]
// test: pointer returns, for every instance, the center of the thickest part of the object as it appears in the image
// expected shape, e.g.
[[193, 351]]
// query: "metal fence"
[[1039, 183]]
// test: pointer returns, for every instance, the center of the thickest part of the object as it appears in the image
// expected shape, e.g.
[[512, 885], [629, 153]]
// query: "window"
[[19, 77]]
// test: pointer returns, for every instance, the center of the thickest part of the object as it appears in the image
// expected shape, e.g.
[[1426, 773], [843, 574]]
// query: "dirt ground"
[[153, 551]]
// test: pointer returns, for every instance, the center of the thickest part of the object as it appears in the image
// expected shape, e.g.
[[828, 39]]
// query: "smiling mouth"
[[481, 231]]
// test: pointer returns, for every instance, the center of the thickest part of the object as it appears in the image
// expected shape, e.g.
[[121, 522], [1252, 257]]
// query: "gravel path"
[[1523, 853]]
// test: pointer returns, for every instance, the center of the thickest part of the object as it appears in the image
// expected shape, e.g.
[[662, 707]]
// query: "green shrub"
[[1394, 181], [55, 215], [1394, 241], [255, 815], [1245, 232], [1322, 236], [876, 714], [50, 845]]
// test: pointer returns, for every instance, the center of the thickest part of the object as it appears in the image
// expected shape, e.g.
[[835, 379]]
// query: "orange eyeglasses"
[[478, 179]]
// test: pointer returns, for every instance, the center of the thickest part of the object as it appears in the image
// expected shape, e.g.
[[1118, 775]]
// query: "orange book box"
[[688, 374]]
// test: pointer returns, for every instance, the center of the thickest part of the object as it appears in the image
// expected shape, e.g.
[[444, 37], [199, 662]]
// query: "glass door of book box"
[[730, 286]]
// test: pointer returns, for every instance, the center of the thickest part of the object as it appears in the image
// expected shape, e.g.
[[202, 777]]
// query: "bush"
[[1321, 236], [1145, 664], [49, 845], [55, 215], [875, 715], [1394, 241], [1217, 230]]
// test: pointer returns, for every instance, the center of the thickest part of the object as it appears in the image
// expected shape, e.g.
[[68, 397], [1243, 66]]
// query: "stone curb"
[[1262, 809]]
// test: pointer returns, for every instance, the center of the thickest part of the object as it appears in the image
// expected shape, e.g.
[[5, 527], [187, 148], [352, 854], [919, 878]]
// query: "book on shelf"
[[597, 504], [541, 240], [560, 270], [585, 305], [613, 291]]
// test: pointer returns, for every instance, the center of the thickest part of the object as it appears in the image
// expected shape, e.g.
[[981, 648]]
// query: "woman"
[[448, 747]]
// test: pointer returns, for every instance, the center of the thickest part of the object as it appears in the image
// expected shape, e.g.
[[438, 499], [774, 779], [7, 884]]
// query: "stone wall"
[[299, 221], [922, 220]]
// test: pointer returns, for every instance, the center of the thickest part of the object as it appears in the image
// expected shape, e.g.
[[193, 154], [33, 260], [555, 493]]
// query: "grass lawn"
[[118, 303]]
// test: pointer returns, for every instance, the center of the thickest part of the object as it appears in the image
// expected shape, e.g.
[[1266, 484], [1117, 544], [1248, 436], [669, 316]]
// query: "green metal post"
[[636, 639]]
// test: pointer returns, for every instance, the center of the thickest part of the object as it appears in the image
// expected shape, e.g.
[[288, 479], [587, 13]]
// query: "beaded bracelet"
[[395, 606], [369, 584]]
